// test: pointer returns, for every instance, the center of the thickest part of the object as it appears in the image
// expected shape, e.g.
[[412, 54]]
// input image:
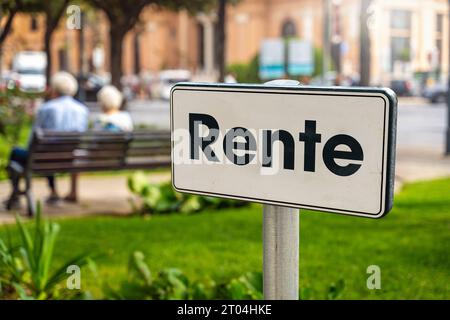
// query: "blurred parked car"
[[436, 93], [29, 71], [403, 88], [168, 78]]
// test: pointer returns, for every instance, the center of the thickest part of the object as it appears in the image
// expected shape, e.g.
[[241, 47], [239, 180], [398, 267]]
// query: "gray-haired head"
[[64, 84], [110, 98]]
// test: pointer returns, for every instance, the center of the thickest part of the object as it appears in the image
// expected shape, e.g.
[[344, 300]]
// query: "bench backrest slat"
[[55, 152]]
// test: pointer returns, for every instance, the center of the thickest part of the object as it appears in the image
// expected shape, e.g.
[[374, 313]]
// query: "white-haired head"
[[110, 98], [64, 84]]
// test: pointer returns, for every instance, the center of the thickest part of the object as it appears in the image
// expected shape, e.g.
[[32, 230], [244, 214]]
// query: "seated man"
[[61, 113]]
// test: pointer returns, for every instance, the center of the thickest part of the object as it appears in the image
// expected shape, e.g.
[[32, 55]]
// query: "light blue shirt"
[[62, 114]]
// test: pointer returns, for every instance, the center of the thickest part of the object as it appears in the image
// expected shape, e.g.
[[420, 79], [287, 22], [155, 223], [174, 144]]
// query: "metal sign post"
[[281, 252], [281, 239]]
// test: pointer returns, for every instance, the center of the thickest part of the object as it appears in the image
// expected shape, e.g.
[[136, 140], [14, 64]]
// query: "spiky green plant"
[[27, 269]]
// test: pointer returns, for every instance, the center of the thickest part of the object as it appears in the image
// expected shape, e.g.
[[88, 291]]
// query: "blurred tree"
[[221, 38], [123, 16], [8, 10], [364, 52], [53, 11]]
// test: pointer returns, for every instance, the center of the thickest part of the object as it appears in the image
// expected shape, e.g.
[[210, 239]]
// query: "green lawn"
[[411, 246]]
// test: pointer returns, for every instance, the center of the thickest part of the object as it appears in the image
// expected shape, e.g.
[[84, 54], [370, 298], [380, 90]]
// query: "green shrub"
[[318, 63], [15, 112], [162, 198], [246, 287], [246, 72], [15, 121], [25, 269], [172, 284]]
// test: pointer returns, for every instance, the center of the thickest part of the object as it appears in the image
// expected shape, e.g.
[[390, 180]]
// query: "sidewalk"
[[98, 195], [109, 195], [424, 165]]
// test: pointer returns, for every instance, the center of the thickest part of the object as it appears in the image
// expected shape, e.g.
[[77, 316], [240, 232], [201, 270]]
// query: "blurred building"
[[408, 37]]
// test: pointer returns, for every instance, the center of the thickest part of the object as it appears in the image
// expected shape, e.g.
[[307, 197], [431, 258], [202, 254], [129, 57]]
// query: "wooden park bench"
[[76, 152]]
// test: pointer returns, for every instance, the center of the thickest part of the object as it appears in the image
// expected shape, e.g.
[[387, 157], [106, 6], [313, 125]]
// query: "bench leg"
[[73, 193], [15, 191]]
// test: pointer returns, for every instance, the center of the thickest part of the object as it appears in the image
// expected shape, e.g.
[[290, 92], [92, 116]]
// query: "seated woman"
[[112, 119]]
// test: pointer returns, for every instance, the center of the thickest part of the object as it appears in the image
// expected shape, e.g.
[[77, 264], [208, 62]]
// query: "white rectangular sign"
[[301, 58], [271, 59], [329, 149]]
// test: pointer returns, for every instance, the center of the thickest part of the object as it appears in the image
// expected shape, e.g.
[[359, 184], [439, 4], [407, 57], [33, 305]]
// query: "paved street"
[[153, 113], [420, 135], [420, 125]]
